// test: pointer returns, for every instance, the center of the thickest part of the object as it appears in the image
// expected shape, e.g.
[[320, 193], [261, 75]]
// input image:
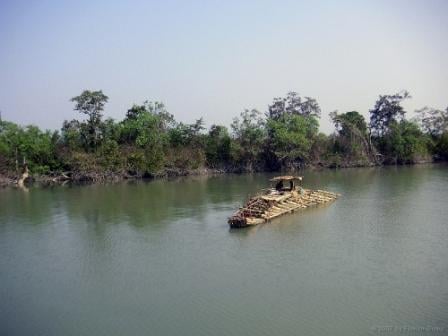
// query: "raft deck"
[[263, 208]]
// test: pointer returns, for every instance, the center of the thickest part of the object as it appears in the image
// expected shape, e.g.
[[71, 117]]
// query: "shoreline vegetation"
[[150, 143]]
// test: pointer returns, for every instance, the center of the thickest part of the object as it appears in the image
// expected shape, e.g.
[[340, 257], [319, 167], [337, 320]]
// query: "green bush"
[[404, 143], [442, 146]]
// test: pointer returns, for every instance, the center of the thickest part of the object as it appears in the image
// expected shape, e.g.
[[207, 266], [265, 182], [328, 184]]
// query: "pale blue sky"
[[215, 58]]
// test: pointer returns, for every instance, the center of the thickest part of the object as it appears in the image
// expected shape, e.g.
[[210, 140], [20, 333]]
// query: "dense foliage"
[[149, 141]]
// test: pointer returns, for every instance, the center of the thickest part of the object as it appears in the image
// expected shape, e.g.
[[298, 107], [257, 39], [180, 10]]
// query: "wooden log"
[[284, 206]]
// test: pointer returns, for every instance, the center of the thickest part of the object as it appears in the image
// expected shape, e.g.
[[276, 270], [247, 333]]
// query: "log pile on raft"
[[279, 201]]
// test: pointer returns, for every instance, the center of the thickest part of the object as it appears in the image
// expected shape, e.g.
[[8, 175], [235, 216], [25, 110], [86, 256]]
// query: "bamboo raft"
[[279, 201]]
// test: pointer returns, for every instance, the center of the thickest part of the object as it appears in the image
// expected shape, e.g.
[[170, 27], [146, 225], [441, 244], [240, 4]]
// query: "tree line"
[[150, 142]]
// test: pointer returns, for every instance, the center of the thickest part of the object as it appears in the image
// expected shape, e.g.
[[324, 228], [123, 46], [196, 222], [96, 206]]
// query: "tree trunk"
[[24, 176]]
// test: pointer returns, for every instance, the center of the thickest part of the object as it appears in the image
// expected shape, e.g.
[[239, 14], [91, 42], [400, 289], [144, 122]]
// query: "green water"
[[158, 258]]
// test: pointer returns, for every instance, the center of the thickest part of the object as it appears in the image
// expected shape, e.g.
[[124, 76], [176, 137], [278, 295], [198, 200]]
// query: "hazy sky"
[[215, 58]]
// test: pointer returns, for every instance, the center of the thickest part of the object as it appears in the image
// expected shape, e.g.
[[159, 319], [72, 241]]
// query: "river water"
[[158, 258]]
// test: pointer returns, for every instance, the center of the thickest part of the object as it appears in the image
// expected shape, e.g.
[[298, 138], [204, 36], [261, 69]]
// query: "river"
[[158, 258]]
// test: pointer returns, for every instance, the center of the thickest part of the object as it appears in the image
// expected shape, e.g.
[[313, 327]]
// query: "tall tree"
[[92, 104], [352, 137], [218, 146], [138, 117], [404, 143], [187, 134], [249, 133], [146, 127], [348, 123], [433, 121], [291, 138], [295, 105], [387, 109], [71, 134], [292, 125]]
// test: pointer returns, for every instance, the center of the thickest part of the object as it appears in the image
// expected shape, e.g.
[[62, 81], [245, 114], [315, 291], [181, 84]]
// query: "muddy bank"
[[59, 178], [10, 179]]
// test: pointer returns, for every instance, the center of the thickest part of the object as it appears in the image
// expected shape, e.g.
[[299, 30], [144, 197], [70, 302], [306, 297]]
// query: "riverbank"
[[10, 179], [98, 177]]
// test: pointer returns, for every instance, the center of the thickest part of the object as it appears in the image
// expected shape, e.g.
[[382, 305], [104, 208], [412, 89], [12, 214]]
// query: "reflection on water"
[[158, 258], [136, 203]]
